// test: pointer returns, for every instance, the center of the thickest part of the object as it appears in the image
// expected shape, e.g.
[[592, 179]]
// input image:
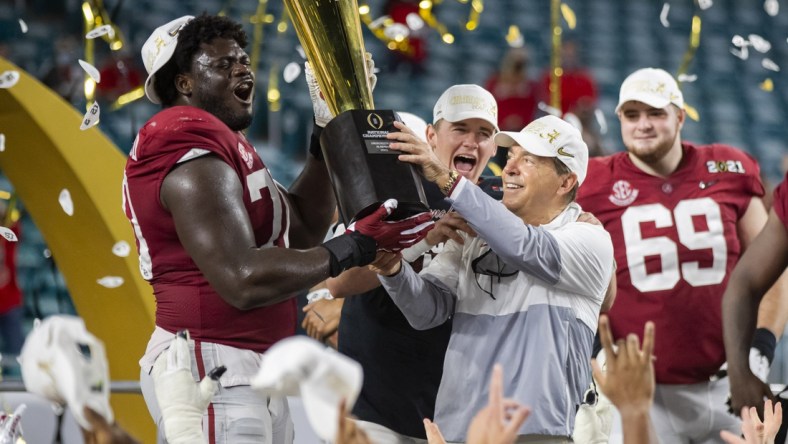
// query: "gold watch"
[[453, 176]]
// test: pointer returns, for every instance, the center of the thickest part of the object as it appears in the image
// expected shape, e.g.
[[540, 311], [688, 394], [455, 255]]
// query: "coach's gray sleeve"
[[425, 301], [530, 249]]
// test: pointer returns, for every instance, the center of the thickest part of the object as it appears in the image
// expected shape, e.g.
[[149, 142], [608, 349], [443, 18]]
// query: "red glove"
[[393, 235]]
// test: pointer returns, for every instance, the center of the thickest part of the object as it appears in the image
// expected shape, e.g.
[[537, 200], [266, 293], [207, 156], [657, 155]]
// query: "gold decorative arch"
[[45, 152]]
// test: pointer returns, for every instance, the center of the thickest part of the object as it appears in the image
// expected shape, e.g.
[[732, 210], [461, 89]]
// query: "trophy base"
[[364, 171]]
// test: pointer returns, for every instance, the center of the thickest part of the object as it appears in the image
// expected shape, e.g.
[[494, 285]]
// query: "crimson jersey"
[[676, 243], [781, 201], [184, 298]]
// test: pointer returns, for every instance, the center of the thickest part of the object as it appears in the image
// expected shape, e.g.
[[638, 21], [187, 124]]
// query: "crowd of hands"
[[627, 380]]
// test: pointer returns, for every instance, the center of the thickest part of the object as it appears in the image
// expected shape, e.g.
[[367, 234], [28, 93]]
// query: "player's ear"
[[184, 84], [681, 116]]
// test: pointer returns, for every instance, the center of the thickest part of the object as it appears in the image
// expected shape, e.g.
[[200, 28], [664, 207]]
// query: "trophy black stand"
[[364, 171]]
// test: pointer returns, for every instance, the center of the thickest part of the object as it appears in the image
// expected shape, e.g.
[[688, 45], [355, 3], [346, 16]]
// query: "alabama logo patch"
[[623, 193], [245, 155]]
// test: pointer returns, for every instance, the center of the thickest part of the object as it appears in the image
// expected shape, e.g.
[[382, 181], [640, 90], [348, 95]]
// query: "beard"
[[656, 153], [216, 105]]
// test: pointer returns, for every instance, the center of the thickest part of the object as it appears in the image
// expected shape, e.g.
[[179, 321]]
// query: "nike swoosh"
[[564, 153]]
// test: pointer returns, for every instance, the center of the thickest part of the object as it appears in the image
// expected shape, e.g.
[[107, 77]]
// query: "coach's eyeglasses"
[[490, 264]]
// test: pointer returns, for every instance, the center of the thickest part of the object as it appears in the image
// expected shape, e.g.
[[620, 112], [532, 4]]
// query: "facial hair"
[[213, 103]]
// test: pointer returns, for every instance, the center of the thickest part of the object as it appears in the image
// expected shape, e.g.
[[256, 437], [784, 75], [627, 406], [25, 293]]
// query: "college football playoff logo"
[[375, 121]]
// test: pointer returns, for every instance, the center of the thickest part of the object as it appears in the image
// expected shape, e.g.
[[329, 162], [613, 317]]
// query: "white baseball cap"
[[550, 136], [414, 122], [461, 102], [322, 376], [652, 86], [158, 50], [63, 362]]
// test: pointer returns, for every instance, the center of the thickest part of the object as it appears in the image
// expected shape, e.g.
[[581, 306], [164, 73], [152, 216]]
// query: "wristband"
[[314, 142], [351, 249], [765, 342]]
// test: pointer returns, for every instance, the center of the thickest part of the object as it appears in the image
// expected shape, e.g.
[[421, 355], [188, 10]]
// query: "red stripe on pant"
[[201, 373]]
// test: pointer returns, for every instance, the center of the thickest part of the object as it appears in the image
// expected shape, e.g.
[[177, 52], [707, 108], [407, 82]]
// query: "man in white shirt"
[[526, 292]]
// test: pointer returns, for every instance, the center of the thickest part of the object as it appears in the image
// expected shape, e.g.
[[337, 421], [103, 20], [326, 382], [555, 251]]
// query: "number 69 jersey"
[[675, 243]]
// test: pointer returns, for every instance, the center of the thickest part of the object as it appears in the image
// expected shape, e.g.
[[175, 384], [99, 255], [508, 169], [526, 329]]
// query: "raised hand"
[[500, 421], [755, 431], [416, 151]]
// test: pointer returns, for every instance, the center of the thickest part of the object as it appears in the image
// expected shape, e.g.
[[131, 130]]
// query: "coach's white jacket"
[[540, 324]]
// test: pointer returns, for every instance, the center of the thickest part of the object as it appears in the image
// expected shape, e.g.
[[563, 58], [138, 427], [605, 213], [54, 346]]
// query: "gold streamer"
[[694, 42], [125, 99], [689, 55], [767, 85], [281, 27], [402, 45], [555, 56], [12, 213], [569, 16], [95, 15], [258, 20], [425, 12], [692, 113], [274, 96], [494, 168], [477, 7]]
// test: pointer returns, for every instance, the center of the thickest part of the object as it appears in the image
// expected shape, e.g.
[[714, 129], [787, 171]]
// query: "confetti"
[[688, 78], [514, 37], [2, 142], [772, 7], [600, 119], [91, 70], [291, 72], [739, 41], [301, 52], [769, 64], [741, 53], [110, 281], [397, 31], [663, 16], [549, 109], [9, 79], [101, 30], [23, 26], [9, 235], [379, 22], [65, 202], [91, 117], [121, 249], [414, 21], [705, 4], [759, 43], [767, 85]]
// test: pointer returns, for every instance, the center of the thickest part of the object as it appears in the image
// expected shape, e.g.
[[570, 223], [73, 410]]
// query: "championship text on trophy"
[[363, 170]]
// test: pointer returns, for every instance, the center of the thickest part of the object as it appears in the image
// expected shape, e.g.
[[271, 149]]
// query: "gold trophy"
[[363, 170]]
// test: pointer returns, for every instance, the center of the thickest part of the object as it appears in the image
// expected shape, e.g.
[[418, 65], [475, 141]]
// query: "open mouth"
[[464, 164], [243, 91], [512, 186]]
